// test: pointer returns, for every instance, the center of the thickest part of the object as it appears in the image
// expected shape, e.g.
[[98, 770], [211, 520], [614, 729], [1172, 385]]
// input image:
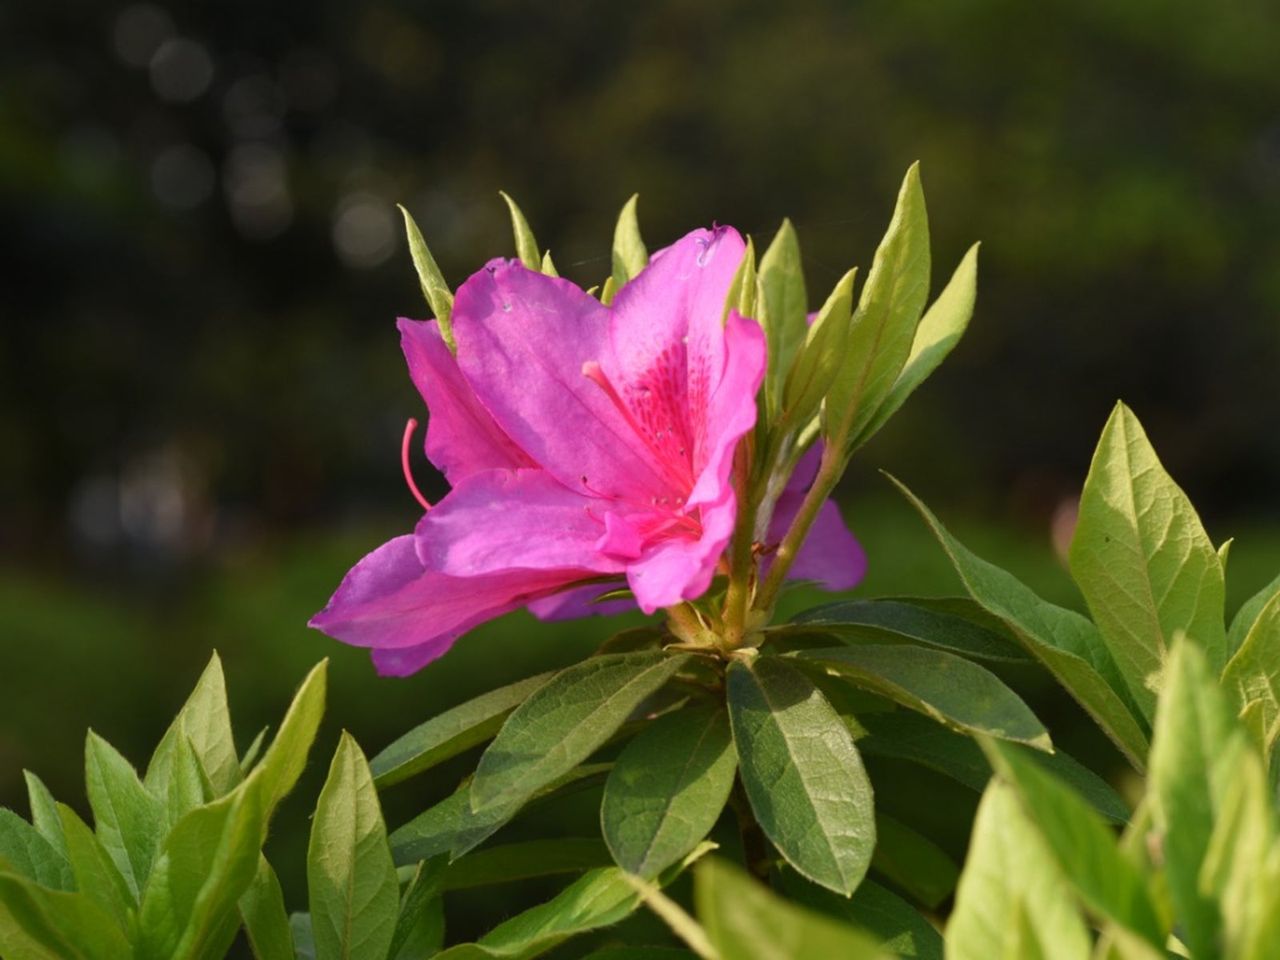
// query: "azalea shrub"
[[670, 441]]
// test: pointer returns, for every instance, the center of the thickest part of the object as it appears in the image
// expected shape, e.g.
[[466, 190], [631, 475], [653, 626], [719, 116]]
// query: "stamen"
[[409, 427]]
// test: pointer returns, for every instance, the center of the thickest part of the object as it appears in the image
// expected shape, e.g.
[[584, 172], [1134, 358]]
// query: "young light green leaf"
[[188, 786], [130, 821], [438, 296], [878, 621], [883, 328], [41, 924], [509, 862], [802, 773], [206, 722], [913, 862], [450, 733], [1252, 677], [94, 873], [745, 921], [608, 291], [954, 691], [266, 924], [1244, 619], [1189, 787], [1010, 868], [287, 756], [44, 812], [819, 356], [667, 789], [565, 721], [743, 290], [629, 253], [783, 309], [1065, 642], [598, 899], [1080, 842], [900, 929], [25, 852], [526, 245], [354, 893], [1143, 561], [940, 329], [208, 860], [450, 827], [251, 752]]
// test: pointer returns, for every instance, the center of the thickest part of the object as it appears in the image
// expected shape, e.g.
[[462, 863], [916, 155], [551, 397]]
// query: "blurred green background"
[[201, 393]]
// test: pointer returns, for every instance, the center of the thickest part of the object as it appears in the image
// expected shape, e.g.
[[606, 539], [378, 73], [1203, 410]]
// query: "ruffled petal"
[[513, 519], [462, 437], [682, 568], [523, 341]]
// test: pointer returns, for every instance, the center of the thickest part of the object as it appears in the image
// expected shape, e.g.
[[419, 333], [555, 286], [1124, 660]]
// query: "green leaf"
[[629, 253], [745, 921], [420, 923], [914, 862], [450, 733], [667, 789], [1066, 643], [641, 953], [954, 691], [285, 759], [452, 827], [1189, 786], [1252, 677], [897, 925], [95, 875], [438, 296], [882, 621], [41, 924], [548, 265], [188, 786], [521, 861], [25, 852], [608, 291], [742, 293], [819, 356], [266, 923], [782, 308], [1081, 843], [1245, 617], [526, 245], [251, 752], [883, 328], [802, 773], [1010, 870], [565, 721], [941, 328], [598, 899], [44, 812], [303, 940], [1143, 561], [208, 860], [206, 722], [130, 821], [354, 893]]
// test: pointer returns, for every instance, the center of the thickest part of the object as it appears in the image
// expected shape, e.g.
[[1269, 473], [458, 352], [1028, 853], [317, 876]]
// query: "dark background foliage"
[[201, 394]]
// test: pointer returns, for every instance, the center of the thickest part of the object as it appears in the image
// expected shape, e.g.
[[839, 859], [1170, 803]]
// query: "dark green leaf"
[[667, 789], [802, 773], [354, 892], [565, 721], [1065, 642], [420, 924], [882, 621], [520, 861], [130, 821], [913, 861], [450, 733], [954, 691], [1143, 561]]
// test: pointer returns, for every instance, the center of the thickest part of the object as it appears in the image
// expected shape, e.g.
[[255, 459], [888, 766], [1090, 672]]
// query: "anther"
[[409, 427]]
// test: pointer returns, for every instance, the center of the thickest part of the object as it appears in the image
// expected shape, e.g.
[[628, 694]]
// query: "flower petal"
[[682, 568], [462, 437], [388, 601], [523, 340], [513, 519], [830, 554], [577, 602]]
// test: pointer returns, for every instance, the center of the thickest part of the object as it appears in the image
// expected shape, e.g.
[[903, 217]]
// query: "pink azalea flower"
[[581, 442]]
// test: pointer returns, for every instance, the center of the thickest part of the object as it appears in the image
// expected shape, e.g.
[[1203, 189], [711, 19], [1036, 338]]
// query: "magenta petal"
[[513, 519], [579, 602], [830, 554], [523, 341], [682, 568], [389, 601], [462, 437]]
